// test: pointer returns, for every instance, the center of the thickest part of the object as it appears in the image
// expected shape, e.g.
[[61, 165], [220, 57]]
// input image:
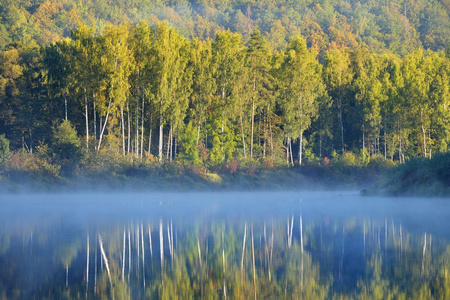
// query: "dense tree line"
[[146, 91], [397, 25]]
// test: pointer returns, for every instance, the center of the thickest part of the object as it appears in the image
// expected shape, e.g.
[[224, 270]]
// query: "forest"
[[216, 86]]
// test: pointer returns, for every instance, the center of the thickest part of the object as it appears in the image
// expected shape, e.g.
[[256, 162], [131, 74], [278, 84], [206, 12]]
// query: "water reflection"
[[283, 255]]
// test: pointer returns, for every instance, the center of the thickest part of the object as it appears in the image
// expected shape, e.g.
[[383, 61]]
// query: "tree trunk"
[[300, 148], [137, 126], [253, 125], [95, 118], [287, 151], [243, 139], [142, 124], [429, 140], [290, 151], [104, 125], [87, 119], [123, 129], [385, 142], [65, 104], [424, 141], [129, 128], [169, 142], [341, 125], [150, 136], [160, 147]]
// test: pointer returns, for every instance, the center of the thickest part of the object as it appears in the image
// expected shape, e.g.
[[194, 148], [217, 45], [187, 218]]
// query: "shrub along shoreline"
[[33, 174], [60, 171]]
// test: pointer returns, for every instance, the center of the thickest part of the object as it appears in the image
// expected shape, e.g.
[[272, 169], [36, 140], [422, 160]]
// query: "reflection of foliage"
[[206, 263], [4, 243]]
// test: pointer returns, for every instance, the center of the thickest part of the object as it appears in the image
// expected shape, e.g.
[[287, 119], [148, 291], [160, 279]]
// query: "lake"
[[232, 245]]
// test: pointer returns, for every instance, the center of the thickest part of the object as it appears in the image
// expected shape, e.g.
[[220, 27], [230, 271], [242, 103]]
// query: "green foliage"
[[66, 146], [4, 151], [189, 145], [421, 177], [147, 91], [24, 163]]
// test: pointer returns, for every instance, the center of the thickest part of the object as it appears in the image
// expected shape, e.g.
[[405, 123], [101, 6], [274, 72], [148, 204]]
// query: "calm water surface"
[[277, 245]]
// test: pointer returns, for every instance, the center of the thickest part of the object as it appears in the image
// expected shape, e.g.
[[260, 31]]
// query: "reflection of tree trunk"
[[423, 253], [143, 252], [385, 235], [243, 247], [95, 267], [138, 247], [67, 275], [199, 253], [364, 241], [123, 256], [150, 241], [161, 245], [87, 265], [341, 264], [301, 247], [254, 268], [223, 264], [271, 254], [129, 254], [290, 230], [104, 258]]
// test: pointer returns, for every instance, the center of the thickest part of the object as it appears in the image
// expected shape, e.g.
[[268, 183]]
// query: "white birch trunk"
[[160, 146], [104, 126], [87, 119], [123, 129], [142, 123]]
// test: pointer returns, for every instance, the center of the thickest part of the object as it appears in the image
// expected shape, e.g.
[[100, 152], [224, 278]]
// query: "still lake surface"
[[232, 245]]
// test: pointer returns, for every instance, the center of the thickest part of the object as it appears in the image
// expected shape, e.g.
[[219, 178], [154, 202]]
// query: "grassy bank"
[[417, 177], [141, 176]]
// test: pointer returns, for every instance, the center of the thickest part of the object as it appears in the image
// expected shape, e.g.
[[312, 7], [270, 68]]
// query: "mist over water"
[[222, 245]]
